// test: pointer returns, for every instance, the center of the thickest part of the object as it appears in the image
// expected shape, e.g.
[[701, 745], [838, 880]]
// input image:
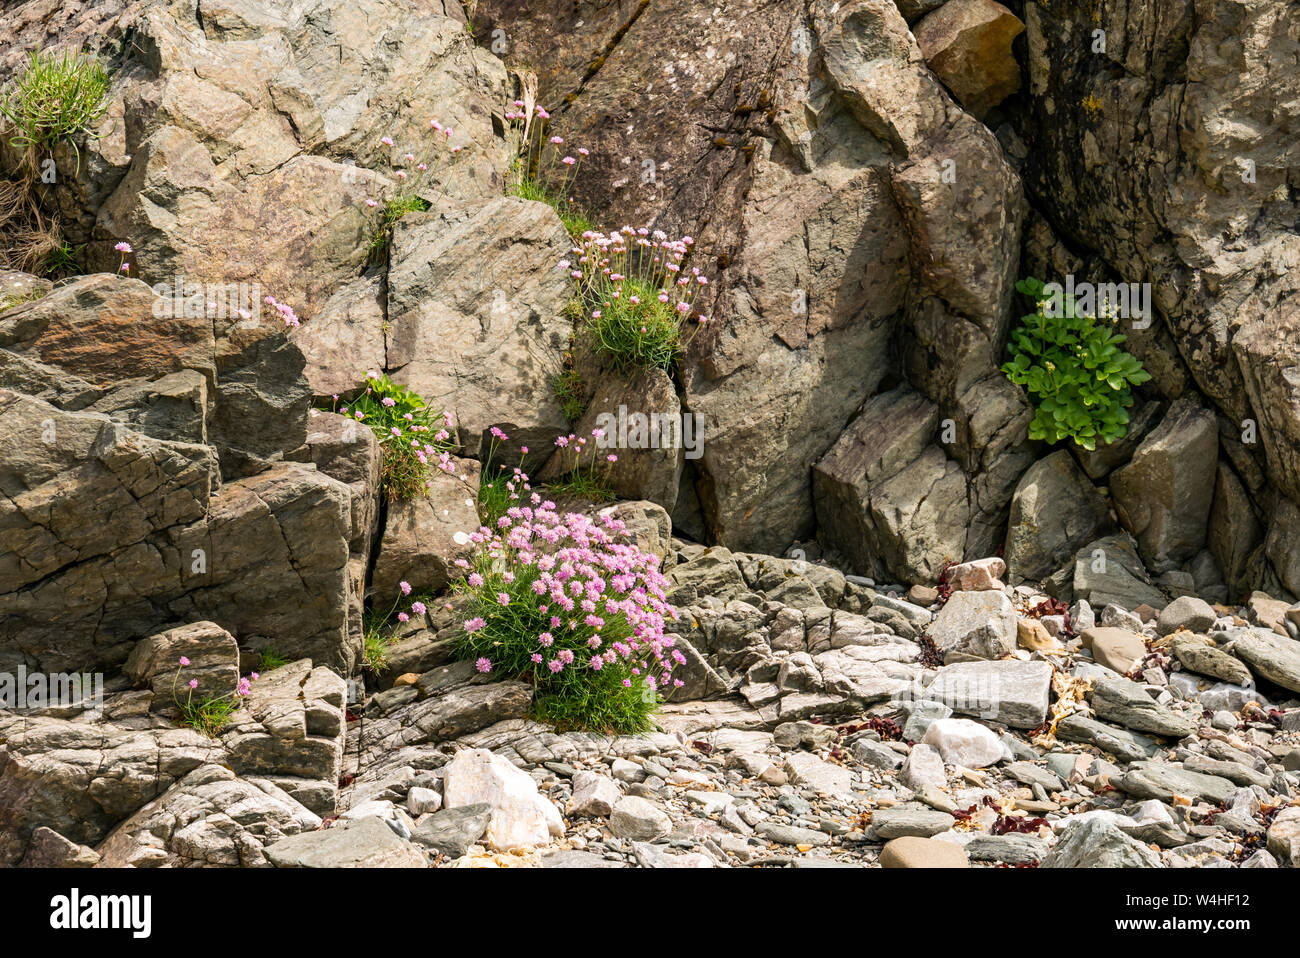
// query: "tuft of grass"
[[270, 659], [568, 388], [575, 220], [61, 260], [640, 334], [208, 716], [584, 485], [374, 650], [53, 97], [394, 210]]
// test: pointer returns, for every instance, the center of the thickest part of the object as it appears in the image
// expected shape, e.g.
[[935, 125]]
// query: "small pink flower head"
[[389, 401], [474, 624], [583, 151], [541, 113], [568, 161], [184, 661], [612, 458], [386, 140], [418, 608], [483, 665], [194, 683], [557, 140], [254, 676], [405, 587], [403, 617], [123, 247], [125, 268], [371, 203]]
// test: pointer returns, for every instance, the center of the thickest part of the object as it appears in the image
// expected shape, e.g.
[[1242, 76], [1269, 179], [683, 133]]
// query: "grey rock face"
[[1055, 511], [363, 843]]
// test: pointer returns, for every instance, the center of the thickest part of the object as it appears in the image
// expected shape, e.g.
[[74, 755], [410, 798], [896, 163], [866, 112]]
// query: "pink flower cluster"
[[602, 262], [285, 310], [571, 593]]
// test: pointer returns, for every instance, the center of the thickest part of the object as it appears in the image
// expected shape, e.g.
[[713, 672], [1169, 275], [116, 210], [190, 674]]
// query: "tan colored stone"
[[1117, 649], [1033, 635], [912, 852], [968, 45]]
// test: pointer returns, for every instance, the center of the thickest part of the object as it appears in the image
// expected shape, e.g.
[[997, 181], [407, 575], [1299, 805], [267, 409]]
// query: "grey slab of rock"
[[1163, 781], [876, 754], [1109, 571], [920, 717], [1232, 771], [1204, 658], [1187, 612], [1126, 745], [1054, 511], [639, 820], [363, 843], [809, 771], [593, 795], [1031, 774], [914, 614], [1271, 656], [452, 830], [1127, 703], [981, 624], [572, 858], [1098, 843], [1012, 848], [924, 766], [1012, 692], [910, 820], [790, 834]]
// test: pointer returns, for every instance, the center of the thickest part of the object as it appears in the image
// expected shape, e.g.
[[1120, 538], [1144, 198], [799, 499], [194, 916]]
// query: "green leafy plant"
[[53, 97], [498, 488], [1074, 370], [208, 714], [413, 438], [636, 294]]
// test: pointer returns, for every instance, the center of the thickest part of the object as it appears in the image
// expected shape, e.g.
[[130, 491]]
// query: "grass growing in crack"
[[270, 659], [541, 168], [208, 714], [53, 97], [637, 294], [569, 390]]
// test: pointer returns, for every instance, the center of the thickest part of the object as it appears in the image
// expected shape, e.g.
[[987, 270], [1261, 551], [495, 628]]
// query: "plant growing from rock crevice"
[[1074, 370], [413, 438], [566, 604], [636, 295], [542, 169], [208, 714], [411, 175]]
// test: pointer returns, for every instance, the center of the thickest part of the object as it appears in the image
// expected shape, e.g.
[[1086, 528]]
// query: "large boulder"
[[887, 497], [1163, 496], [967, 43], [476, 305], [1054, 512], [423, 537]]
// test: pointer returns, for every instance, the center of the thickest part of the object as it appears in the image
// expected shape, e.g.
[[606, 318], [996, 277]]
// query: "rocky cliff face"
[[864, 182]]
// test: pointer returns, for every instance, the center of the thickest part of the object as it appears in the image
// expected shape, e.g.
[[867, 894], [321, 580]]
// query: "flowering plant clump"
[[211, 713], [1072, 366], [413, 437], [586, 470], [543, 168], [411, 176], [563, 602], [636, 293]]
